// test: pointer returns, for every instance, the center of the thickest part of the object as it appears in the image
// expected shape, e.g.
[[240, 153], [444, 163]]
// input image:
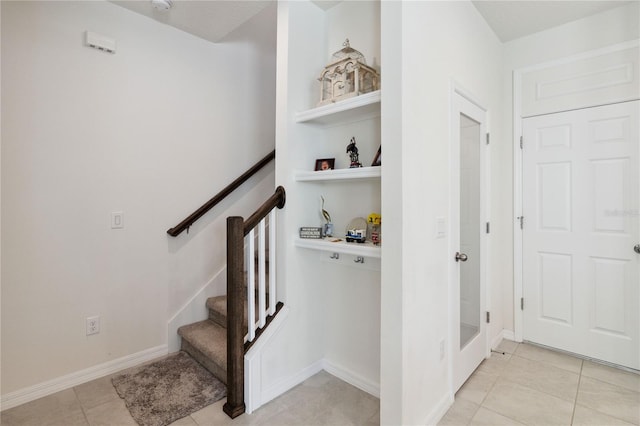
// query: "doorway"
[[581, 262], [468, 237]]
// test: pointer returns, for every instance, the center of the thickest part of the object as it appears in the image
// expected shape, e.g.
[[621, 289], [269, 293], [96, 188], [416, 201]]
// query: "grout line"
[[575, 400], [84, 413], [503, 415], [493, 385]]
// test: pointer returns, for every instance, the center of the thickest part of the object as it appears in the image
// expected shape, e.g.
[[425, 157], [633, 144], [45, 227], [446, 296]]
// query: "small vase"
[[328, 229]]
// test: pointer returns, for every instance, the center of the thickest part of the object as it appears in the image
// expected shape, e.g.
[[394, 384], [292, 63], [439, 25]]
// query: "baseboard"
[[338, 371], [290, 382], [352, 378], [509, 335], [495, 342], [195, 309], [439, 410], [31, 393], [503, 335]]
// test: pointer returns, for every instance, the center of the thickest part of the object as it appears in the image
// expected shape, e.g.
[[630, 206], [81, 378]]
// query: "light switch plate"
[[117, 220]]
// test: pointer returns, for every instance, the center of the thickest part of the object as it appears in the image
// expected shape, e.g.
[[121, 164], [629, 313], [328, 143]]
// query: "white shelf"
[[363, 106], [366, 249], [338, 174]]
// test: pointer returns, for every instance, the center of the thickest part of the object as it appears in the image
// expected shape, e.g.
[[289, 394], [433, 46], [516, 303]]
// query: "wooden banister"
[[278, 199], [237, 228], [189, 220], [235, 307]]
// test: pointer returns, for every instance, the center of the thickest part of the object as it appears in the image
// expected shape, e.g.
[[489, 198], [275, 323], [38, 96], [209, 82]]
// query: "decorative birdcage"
[[346, 76]]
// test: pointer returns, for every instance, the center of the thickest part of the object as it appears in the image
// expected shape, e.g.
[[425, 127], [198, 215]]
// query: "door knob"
[[636, 248], [461, 257]]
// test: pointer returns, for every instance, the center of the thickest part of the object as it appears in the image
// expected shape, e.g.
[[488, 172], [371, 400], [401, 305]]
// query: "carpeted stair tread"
[[206, 341], [217, 307]]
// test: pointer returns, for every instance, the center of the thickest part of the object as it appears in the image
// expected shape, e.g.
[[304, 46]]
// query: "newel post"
[[235, 333]]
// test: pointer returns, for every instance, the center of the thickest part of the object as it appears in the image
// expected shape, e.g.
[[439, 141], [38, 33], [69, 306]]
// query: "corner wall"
[[442, 43], [153, 131]]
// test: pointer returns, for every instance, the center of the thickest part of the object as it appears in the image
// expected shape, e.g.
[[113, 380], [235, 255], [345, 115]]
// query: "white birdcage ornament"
[[346, 76]]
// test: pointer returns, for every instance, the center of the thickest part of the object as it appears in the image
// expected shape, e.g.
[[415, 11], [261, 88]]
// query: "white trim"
[[495, 342], [580, 56], [517, 204], [508, 335], [49, 387], [288, 383], [439, 410], [253, 364], [284, 385], [195, 308], [503, 335], [467, 94], [350, 377], [517, 166]]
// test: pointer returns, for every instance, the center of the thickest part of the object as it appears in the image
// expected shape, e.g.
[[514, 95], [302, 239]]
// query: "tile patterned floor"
[[320, 400], [529, 385]]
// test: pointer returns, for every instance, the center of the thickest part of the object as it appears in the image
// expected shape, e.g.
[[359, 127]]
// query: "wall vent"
[[100, 42]]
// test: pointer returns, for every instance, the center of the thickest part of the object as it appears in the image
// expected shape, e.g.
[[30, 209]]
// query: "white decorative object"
[[346, 76]]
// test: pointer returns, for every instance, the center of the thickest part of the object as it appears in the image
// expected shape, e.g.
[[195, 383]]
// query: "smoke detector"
[[162, 5]]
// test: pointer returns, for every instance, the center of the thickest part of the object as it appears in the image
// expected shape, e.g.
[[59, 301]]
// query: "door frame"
[[518, 315], [458, 90]]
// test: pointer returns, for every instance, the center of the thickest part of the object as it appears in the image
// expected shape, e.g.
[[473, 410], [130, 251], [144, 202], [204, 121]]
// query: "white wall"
[[441, 42], [594, 32], [153, 131]]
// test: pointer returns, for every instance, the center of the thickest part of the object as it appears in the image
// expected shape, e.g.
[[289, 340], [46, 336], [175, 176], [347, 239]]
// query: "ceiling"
[[514, 19], [208, 19], [213, 19]]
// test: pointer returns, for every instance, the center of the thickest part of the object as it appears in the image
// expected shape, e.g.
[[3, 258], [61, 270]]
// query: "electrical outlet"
[[93, 325], [441, 349]]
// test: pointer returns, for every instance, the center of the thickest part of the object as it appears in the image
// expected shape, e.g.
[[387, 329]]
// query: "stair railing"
[[241, 251], [189, 220]]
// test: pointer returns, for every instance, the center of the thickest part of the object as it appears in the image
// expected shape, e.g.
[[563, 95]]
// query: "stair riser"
[[220, 319], [219, 372]]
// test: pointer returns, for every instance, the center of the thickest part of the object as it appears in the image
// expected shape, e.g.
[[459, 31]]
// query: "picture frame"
[[377, 160], [325, 164]]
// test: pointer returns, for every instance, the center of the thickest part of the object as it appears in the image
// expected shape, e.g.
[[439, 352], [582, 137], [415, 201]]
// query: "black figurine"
[[352, 150]]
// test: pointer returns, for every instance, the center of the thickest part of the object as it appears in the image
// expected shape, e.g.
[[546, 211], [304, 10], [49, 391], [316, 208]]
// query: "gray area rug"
[[160, 393]]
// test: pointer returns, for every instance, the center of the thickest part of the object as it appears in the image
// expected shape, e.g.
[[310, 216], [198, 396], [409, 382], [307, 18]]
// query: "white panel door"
[[581, 192]]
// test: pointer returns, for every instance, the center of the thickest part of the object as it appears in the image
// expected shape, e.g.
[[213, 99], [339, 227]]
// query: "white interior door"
[[581, 274], [468, 230]]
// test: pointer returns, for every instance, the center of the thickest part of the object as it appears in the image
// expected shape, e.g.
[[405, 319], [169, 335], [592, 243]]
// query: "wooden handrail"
[[278, 200], [237, 229], [186, 223]]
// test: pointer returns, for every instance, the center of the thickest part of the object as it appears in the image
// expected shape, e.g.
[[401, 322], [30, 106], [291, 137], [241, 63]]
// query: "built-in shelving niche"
[[350, 110]]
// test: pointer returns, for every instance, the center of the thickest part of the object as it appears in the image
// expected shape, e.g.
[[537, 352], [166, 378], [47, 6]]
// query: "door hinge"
[[488, 138], [521, 219], [488, 317], [488, 227], [522, 303], [521, 143]]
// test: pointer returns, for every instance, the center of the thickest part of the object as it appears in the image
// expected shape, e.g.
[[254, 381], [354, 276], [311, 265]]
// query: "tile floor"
[[531, 385], [527, 385], [320, 400]]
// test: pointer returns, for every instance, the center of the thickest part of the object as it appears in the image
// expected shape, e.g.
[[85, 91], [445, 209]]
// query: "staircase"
[[206, 341], [235, 321]]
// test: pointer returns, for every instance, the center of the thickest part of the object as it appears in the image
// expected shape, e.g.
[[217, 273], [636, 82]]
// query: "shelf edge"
[[346, 105], [339, 247]]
